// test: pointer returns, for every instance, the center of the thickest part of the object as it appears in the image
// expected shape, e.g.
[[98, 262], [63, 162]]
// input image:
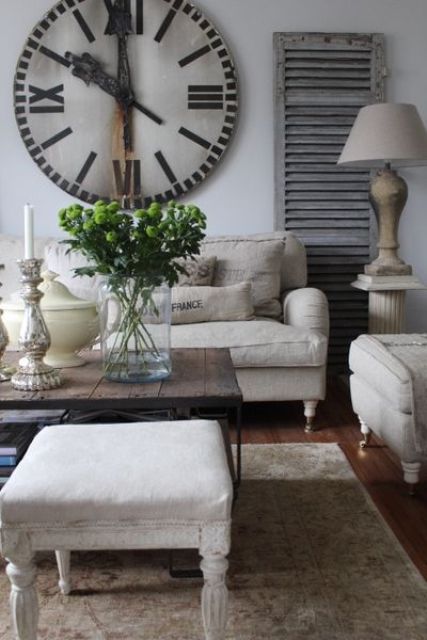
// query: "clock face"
[[134, 98]]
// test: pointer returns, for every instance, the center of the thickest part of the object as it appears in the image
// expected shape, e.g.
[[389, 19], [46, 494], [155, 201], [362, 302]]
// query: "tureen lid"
[[56, 296]]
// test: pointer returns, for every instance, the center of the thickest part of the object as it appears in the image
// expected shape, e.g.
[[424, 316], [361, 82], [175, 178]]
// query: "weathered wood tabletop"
[[199, 378]]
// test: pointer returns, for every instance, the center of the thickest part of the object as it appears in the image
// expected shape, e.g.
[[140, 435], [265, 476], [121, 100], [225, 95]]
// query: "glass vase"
[[135, 330]]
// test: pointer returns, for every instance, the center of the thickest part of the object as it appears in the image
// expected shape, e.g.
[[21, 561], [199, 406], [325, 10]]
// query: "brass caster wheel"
[[309, 428], [411, 489], [363, 444]]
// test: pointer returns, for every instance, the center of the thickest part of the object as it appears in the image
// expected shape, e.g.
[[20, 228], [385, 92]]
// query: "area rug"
[[312, 559]]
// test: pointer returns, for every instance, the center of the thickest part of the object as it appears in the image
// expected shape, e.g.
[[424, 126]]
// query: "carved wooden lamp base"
[[388, 195]]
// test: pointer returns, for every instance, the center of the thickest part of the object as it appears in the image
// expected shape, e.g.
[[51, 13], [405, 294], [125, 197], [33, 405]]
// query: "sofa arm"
[[307, 308]]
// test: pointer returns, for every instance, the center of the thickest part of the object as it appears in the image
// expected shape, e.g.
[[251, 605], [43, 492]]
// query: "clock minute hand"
[[120, 24], [89, 70]]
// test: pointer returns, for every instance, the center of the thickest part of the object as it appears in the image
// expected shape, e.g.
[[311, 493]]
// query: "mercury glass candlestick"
[[33, 373]]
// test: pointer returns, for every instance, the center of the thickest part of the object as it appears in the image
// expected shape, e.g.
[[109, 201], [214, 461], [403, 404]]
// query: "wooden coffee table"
[[200, 379]]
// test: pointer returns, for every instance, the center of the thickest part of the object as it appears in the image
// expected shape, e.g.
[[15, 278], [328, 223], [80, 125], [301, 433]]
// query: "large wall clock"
[[133, 98]]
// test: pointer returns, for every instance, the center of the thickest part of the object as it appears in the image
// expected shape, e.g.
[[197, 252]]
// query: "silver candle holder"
[[33, 374]]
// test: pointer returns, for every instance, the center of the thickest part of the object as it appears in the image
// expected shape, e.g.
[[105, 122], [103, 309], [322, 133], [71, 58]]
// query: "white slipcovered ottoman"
[[132, 486], [387, 383]]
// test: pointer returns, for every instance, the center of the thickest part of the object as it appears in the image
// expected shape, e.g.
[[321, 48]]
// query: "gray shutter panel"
[[321, 81]]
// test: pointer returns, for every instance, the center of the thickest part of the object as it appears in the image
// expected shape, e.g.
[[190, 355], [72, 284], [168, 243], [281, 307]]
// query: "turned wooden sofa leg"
[[310, 413], [366, 433], [63, 562], [214, 596], [411, 474], [23, 597]]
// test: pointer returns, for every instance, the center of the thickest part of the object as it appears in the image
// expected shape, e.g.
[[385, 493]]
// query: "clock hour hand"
[[89, 70]]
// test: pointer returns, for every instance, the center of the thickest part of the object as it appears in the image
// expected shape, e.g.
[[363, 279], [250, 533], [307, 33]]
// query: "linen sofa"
[[278, 339]]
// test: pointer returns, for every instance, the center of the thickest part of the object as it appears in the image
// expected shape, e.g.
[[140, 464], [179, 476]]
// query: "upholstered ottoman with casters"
[[151, 485], [389, 393]]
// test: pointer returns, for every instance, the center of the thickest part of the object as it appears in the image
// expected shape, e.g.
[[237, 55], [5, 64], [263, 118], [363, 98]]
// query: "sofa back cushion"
[[293, 268], [272, 262], [253, 260]]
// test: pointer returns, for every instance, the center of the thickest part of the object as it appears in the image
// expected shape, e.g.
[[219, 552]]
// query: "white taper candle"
[[28, 231]]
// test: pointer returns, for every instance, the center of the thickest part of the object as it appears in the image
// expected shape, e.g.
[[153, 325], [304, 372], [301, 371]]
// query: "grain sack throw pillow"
[[202, 304], [246, 258], [200, 271]]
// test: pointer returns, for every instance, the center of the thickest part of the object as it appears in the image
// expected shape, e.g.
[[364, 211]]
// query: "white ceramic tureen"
[[72, 322]]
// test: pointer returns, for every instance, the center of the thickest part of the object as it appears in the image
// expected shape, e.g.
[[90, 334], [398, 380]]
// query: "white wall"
[[238, 196]]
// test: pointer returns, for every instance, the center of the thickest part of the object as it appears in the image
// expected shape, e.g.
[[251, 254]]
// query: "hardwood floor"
[[376, 467]]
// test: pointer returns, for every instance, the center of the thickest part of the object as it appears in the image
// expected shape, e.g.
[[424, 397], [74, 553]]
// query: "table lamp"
[[387, 136]]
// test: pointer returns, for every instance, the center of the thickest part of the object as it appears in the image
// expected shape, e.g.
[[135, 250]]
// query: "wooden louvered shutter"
[[321, 81]]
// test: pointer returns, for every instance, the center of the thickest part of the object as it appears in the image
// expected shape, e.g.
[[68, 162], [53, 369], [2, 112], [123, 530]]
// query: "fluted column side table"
[[387, 300]]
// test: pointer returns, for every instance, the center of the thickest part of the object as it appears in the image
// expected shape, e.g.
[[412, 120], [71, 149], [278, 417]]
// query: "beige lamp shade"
[[386, 133]]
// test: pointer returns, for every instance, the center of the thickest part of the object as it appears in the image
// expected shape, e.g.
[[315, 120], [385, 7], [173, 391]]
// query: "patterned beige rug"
[[312, 560]]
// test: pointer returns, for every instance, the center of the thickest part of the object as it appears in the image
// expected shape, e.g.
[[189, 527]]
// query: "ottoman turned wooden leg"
[[23, 597], [63, 562], [214, 596]]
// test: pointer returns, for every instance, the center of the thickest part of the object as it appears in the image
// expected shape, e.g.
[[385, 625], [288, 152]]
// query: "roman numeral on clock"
[[194, 137], [54, 56], [84, 26], [134, 9], [165, 25], [139, 17], [194, 56], [128, 178], [50, 95], [56, 138], [86, 167], [165, 166], [205, 96]]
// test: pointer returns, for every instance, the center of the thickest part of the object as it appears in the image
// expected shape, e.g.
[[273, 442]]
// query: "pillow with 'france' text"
[[204, 304]]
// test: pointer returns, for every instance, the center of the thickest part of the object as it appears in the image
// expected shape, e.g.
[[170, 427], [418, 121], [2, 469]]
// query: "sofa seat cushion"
[[381, 371], [262, 342]]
